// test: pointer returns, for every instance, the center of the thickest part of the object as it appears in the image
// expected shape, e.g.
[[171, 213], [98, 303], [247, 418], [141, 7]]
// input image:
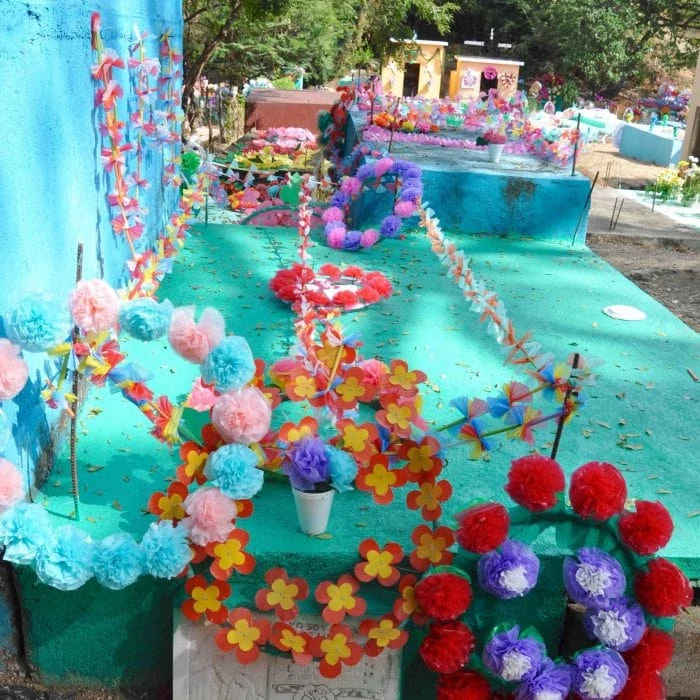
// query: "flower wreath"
[[507, 80], [470, 79], [490, 72], [348, 288], [629, 596], [407, 187]]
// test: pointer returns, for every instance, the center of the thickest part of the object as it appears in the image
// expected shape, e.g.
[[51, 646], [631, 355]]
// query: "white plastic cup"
[[495, 151], [313, 510]]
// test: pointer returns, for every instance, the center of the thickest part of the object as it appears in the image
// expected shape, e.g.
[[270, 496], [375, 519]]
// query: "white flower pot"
[[313, 510], [495, 151]]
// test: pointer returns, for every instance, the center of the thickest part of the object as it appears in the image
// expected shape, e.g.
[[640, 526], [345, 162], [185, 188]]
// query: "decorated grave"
[[186, 474], [652, 143]]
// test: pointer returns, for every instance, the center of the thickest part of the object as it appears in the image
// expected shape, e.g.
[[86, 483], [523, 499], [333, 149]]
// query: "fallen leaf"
[[90, 519], [94, 467], [663, 491], [116, 505], [323, 536], [602, 424]]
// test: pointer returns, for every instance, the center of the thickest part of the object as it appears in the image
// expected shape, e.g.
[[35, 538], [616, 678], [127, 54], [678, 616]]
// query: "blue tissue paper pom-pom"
[[65, 561], [145, 319], [166, 549], [118, 561], [229, 365], [37, 323], [24, 529], [342, 469], [232, 469]]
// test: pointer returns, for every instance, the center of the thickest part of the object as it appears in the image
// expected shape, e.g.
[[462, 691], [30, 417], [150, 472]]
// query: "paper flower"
[[407, 605], [206, 598], [447, 646], [165, 549], [230, 555], [619, 625], [380, 480], [340, 599], [13, 370], [145, 319], [594, 578], [535, 482], [229, 365], [663, 589], [511, 657], [245, 636], [432, 547], [444, 595], [382, 634], [11, 485], [653, 652], [342, 469], [644, 686], [510, 572], [37, 323], [285, 638], [463, 685], [335, 650], [490, 72], [210, 516], [242, 416], [169, 505], [550, 680], [307, 464], [647, 529], [194, 341], [598, 674], [233, 470], [282, 594], [378, 562], [118, 561], [23, 530], [65, 561], [390, 226], [94, 306], [597, 490], [482, 527]]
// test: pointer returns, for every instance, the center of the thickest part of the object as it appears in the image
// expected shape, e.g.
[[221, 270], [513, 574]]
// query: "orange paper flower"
[[245, 636], [358, 439], [206, 598], [282, 594], [407, 605], [382, 634], [285, 638], [335, 650], [379, 479], [229, 555], [432, 547], [422, 457], [400, 378], [340, 599], [168, 505], [428, 498], [378, 562]]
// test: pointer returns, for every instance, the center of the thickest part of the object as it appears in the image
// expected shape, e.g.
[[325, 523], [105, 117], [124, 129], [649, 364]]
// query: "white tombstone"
[[201, 671]]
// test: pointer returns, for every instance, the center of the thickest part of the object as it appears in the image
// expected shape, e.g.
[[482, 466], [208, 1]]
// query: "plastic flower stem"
[[74, 417], [560, 426], [454, 423]]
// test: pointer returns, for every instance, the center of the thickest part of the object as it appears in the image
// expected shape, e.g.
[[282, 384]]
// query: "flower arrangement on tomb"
[[494, 136]]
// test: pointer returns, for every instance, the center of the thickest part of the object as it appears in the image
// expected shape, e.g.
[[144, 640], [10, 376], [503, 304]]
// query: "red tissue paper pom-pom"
[[653, 652], [663, 588], [331, 271], [534, 482], [643, 686], [597, 491], [354, 271], [483, 527], [345, 298], [447, 647], [444, 596], [379, 283], [648, 529], [368, 295], [463, 685]]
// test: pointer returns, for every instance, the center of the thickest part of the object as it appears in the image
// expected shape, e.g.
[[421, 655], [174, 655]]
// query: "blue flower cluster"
[[145, 319], [37, 323], [229, 365], [312, 465], [233, 470]]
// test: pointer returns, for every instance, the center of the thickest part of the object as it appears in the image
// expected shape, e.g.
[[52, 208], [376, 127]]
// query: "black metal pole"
[[578, 138], [560, 424], [74, 418]]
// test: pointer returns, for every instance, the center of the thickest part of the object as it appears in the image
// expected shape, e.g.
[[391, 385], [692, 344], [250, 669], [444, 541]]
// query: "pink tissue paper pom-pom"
[[194, 341], [373, 370], [94, 306], [351, 186], [382, 166], [280, 371], [332, 214], [405, 209], [11, 485], [336, 237], [13, 370], [369, 237], [242, 416], [202, 396], [209, 516]]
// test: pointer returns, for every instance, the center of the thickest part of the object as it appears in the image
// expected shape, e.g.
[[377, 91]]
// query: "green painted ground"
[[644, 394]]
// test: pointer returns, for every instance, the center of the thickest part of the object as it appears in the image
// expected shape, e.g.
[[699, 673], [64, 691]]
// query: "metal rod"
[[560, 424], [653, 201], [74, 417], [578, 138], [583, 210], [612, 217], [618, 214], [206, 195]]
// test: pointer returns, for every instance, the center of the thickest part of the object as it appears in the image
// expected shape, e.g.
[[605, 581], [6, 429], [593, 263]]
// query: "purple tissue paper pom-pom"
[[594, 578], [390, 226], [599, 674], [339, 199], [352, 240], [511, 658], [410, 194], [307, 463], [619, 625], [365, 171], [509, 573], [551, 681]]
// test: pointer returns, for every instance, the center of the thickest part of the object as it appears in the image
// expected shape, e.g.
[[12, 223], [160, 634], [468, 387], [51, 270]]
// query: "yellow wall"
[[692, 131], [457, 92], [430, 58]]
